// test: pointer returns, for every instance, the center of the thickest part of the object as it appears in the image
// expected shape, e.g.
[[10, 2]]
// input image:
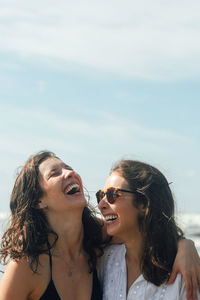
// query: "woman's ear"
[[42, 205], [144, 210]]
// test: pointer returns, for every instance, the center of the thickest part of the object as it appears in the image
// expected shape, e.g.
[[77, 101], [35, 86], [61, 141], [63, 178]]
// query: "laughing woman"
[[138, 207], [54, 239]]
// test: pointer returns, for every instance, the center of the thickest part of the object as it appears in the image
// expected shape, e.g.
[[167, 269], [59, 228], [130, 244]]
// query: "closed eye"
[[54, 173]]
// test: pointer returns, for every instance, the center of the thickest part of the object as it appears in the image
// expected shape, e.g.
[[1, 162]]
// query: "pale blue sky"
[[99, 81]]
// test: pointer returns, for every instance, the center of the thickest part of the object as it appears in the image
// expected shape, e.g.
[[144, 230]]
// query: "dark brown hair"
[[157, 224], [27, 235]]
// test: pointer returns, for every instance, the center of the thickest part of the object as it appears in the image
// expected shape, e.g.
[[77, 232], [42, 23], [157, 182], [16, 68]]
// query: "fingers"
[[195, 284], [198, 282], [172, 277], [194, 288], [188, 288], [191, 285]]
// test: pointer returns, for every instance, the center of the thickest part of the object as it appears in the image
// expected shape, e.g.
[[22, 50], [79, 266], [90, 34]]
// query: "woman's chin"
[[112, 228]]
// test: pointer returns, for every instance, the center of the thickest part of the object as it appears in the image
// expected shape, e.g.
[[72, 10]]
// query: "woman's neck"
[[134, 251], [69, 229], [134, 247]]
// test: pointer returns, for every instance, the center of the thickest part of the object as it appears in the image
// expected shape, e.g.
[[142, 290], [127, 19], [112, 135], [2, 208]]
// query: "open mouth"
[[72, 189], [110, 218]]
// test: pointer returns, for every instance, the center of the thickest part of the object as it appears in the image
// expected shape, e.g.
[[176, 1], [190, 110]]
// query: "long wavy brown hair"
[[157, 224], [27, 235]]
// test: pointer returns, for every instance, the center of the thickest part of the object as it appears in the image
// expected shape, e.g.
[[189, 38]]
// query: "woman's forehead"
[[116, 180], [52, 163]]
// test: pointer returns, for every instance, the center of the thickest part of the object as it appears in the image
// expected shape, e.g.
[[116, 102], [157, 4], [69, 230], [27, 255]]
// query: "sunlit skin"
[[55, 177], [125, 226], [127, 215], [64, 214], [65, 217]]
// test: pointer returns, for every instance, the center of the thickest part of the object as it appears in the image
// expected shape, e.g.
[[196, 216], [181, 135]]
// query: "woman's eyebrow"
[[53, 169], [57, 168], [67, 167]]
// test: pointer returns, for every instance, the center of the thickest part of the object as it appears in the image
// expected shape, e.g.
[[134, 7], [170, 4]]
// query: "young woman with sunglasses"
[[138, 208], [54, 239]]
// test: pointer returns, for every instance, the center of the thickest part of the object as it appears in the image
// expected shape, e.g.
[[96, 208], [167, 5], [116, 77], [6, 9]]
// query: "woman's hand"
[[187, 263]]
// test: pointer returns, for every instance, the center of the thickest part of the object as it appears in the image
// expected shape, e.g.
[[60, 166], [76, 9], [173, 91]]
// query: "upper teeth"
[[110, 217], [69, 188]]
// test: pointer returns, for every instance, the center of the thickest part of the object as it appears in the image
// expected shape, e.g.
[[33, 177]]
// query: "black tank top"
[[52, 294]]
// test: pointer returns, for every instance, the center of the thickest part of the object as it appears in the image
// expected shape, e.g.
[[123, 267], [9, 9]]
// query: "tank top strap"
[[51, 292], [50, 262]]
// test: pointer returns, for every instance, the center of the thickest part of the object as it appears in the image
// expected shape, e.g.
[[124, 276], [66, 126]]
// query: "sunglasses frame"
[[111, 194]]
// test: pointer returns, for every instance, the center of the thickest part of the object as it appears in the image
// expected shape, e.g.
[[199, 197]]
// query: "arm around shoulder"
[[187, 263]]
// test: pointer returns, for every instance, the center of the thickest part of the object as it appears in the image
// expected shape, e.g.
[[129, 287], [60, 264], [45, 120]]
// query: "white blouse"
[[113, 277]]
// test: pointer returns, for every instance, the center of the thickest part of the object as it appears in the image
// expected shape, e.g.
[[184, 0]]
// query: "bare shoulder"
[[16, 268], [11, 287], [19, 282]]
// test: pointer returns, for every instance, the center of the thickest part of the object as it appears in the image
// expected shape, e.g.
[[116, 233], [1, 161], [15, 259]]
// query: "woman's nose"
[[68, 173], [103, 203]]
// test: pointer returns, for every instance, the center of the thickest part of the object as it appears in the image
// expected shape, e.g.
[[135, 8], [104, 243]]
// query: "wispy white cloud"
[[41, 128], [146, 39], [91, 142]]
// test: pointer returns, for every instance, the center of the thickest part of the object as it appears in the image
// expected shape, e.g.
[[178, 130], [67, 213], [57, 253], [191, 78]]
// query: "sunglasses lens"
[[111, 195], [99, 196]]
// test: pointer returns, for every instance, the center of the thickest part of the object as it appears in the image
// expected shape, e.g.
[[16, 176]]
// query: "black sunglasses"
[[111, 194]]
